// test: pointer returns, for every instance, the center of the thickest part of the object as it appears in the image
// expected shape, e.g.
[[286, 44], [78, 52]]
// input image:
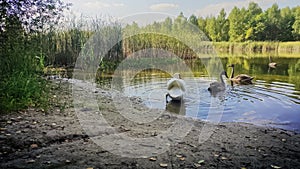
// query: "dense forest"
[[251, 24]]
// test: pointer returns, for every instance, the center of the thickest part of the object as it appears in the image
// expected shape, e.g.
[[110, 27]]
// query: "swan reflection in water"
[[176, 106]]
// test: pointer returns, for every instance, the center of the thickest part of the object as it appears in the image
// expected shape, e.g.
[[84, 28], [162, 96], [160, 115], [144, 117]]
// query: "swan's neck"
[[232, 72], [222, 80]]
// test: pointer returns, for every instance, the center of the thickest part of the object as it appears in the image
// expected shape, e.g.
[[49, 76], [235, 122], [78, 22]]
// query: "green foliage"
[[20, 90], [193, 20], [290, 49], [296, 25], [33, 15], [21, 53], [252, 24], [237, 24], [20, 66], [222, 27]]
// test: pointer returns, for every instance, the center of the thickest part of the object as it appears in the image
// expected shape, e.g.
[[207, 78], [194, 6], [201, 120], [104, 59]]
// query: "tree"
[[253, 23], [287, 20], [222, 26], [211, 28], [193, 20], [167, 25], [33, 15], [296, 24], [180, 22], [202, 25], [258, 28], [272, 24], [237, 24]]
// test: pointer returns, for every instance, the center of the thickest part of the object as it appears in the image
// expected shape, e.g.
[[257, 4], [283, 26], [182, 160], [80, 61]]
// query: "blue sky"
[[122, 8]]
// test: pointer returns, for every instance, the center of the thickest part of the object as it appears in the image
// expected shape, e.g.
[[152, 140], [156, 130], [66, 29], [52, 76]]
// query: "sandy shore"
[[62, 138]]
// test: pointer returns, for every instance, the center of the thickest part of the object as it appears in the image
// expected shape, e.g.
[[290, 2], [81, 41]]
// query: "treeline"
[[245, 24], [252, 24]]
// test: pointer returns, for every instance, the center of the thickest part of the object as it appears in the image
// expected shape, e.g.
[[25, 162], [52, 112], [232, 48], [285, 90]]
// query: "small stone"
[[216, 155], [265, 155], [197, 165], [38, 156], [13, 120], [9, 122], [182, 159], [47, 162], [152, 159], [34, 146], [283, 140], [154, 134], [68, 161], [275, 166], [201, 161], [30, 161], [164, 165], [224, 158], [178, 156]]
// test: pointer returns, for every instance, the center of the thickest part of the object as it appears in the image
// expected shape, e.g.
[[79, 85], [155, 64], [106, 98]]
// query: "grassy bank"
[[21, 63], [290, 49]]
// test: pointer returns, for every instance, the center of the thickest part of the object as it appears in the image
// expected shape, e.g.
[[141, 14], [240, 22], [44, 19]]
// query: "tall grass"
[[62, 45], [20, 90], [20, 66], [276, 48]]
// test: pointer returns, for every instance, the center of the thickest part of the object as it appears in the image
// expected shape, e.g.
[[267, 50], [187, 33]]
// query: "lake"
[[272, 100]]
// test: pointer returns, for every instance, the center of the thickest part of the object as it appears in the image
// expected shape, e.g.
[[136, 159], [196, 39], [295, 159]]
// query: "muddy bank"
[[62, 138]]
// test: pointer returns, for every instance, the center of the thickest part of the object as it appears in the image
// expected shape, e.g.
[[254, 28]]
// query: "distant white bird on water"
[[271, 63], [176, 88]]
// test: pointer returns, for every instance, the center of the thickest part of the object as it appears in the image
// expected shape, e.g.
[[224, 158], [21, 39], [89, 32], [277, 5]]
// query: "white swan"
[[176, 88], [272, 64]]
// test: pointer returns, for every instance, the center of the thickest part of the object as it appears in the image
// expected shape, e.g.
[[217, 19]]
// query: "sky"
[[123, 9]]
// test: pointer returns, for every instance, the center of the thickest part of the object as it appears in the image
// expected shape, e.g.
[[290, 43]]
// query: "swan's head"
[[232, 65], [177, 75]]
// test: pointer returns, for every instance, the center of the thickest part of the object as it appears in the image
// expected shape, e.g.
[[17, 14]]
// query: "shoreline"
[[36, 138]]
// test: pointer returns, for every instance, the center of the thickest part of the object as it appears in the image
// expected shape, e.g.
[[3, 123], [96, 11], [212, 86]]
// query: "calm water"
[[273, 99]]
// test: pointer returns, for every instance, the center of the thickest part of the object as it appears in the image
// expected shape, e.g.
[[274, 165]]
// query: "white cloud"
[[163, 6], [214, 9], [98, 5], [118, 4]]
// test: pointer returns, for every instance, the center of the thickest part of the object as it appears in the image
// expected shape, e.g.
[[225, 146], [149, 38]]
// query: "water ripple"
[[263, 103]]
